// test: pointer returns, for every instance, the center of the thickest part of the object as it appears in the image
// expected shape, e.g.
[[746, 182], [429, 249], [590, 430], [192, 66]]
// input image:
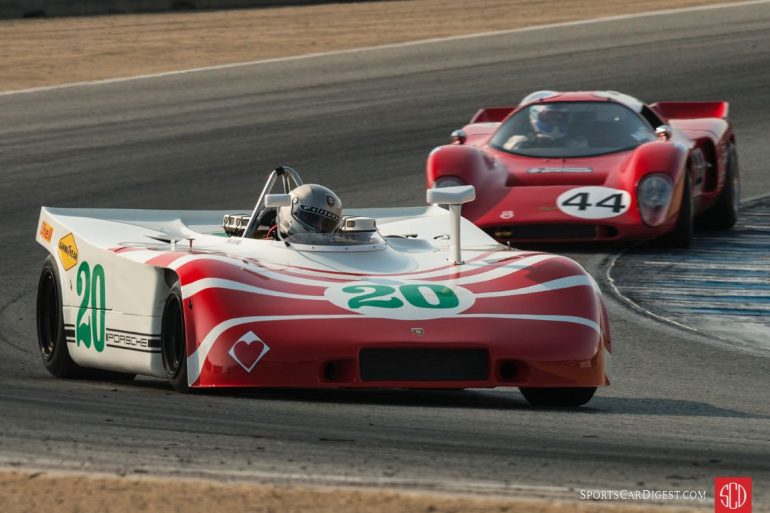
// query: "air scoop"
[[358, 224], [454, 198]]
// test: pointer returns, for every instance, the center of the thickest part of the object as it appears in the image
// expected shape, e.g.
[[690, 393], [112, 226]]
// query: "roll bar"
[[288, 177]]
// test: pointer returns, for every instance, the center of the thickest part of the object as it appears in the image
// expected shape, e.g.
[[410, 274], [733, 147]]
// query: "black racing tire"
[[50, 326], [173, 340], [724, 213], [50, 332], [558, 397], [681, 235]]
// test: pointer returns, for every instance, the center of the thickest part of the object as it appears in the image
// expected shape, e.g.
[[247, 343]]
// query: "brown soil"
[[41, 52], [35, 492]]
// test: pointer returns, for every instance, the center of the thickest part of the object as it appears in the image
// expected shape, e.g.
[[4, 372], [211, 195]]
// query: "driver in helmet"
[[314, 209], [548, 127], [549, 121]]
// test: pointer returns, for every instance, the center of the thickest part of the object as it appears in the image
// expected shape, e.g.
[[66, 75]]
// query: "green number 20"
[[422, 295], [90, 319]]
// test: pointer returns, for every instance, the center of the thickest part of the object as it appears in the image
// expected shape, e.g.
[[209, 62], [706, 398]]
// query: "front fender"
[[473, 166], [667, 158], [656, 157], [468, 163]]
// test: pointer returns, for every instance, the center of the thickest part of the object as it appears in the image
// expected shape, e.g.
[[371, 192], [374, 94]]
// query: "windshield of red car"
[[572, 129]]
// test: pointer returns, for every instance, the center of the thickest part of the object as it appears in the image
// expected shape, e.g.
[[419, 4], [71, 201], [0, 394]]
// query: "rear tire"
[[681, 235], [558, 397], [50, 326], [724, 214], [50, 332], [174, 341]]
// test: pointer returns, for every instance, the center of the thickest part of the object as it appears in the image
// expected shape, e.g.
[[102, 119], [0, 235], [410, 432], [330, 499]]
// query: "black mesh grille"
[[424, 364]]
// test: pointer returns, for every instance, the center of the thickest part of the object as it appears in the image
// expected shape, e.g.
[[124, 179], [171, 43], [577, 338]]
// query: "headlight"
[[447, 181], [654, 197]]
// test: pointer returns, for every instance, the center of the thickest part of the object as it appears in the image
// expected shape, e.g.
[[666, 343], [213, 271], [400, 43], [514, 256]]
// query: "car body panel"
[[259, 313], [517, 194]]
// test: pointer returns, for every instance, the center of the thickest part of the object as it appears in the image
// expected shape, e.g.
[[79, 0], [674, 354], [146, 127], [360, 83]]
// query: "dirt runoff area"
[[37, 491], [45, 52]]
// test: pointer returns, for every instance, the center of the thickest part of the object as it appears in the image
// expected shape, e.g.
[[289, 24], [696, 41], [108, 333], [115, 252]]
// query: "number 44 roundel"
[[594, 202]]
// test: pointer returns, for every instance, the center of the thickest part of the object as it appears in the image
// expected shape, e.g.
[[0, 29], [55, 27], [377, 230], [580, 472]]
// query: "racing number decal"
[[391, 300], [368, 299], [90, 319], [422, 295], [581, 201], [429, 296], [594, 202]]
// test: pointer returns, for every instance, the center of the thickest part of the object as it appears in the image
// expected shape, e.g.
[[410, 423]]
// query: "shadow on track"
[[493, 399]]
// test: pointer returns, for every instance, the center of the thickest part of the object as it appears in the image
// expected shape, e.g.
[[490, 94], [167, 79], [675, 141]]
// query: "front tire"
[[681, 235], [174, 341], [558, 397]]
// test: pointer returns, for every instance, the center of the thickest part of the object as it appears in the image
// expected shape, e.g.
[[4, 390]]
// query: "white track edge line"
[[665, 320], [602, 19]]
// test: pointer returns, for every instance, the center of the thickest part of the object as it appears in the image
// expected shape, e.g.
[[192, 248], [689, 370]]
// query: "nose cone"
[[528, 171]]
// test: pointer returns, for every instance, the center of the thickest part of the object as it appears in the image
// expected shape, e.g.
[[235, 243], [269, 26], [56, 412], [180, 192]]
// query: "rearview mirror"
[[277, 200], [453, 197], [456, 195]]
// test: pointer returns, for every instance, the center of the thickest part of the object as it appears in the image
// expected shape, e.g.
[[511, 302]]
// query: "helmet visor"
[[314, 218], [553, 116]]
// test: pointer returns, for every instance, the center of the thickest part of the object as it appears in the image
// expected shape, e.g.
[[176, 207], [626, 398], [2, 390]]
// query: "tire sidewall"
[[171, 332], [59, 362]]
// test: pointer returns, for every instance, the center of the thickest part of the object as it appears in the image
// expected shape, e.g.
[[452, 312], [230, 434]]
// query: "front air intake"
[[424, 364]]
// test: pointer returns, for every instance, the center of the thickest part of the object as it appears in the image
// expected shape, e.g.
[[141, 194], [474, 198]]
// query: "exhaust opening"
[[508, 370], [331, 371]]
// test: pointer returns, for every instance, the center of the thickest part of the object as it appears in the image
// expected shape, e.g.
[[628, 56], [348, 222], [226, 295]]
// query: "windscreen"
[[572, 129], [336, 239]]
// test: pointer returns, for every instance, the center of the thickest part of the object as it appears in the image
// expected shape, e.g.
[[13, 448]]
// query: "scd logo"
[[732, 495]]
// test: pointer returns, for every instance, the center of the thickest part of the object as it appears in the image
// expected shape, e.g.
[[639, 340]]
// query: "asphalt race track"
[[720, 286], [682, 409]]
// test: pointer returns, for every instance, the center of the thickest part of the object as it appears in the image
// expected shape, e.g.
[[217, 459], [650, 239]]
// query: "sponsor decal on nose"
[[46, 231], [68, 251], [248, 350]]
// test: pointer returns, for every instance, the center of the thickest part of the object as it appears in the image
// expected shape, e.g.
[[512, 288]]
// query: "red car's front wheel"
[[558, 397]]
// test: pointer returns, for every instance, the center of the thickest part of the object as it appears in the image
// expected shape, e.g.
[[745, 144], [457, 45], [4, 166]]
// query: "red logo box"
[[732, 495]]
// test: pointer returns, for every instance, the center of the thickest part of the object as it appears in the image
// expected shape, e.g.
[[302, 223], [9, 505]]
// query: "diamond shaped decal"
[[248, 351]]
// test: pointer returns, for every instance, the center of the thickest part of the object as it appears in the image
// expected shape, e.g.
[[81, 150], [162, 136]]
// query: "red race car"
[[299, 293], [587, 166]]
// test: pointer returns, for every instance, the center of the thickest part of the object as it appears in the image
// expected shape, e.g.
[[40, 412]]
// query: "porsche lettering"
[[132, 340]]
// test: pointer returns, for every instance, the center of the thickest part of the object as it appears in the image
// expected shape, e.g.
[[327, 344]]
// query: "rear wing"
[[691, 110], [491, 115]]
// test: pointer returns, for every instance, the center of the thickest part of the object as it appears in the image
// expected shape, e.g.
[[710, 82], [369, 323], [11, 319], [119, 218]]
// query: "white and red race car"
[[395, 298]]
